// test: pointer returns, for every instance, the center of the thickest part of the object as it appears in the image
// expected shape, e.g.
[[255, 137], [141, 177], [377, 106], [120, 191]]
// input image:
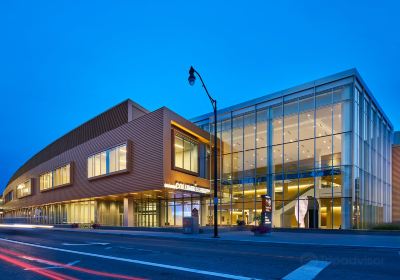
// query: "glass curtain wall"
[[372, 163], [299, 149]]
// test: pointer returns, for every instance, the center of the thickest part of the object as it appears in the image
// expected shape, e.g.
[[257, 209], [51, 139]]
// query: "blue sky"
[[63, 62]]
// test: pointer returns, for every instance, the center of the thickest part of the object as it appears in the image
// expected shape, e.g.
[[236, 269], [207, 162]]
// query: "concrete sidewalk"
[[298, 238]]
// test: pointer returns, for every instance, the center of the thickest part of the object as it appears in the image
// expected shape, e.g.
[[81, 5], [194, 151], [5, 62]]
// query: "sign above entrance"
[[186, 187]]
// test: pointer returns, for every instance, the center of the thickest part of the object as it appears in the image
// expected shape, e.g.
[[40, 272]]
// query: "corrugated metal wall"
[[146, 157], [104, 122], [396, 184], [149, 162]]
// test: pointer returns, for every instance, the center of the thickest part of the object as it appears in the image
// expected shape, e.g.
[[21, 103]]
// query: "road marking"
[[145, 250], [85, 244], [70, 264], [73, 263], [137, 249], [308, 271], [160, 265]]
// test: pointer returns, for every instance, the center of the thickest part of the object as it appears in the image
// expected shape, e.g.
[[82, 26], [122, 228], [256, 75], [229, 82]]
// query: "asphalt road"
[[48, 254]]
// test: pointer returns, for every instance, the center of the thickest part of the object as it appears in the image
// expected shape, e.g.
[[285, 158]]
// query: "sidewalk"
[[299, 238]]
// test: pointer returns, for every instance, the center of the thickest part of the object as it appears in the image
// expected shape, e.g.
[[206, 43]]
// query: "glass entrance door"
[[147, 213]]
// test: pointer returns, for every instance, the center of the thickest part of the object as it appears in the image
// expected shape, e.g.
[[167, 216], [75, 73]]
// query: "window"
[[46, 181], [9, 196], [109, 161], [186, 154], [24, 189], [59, 177], [62, 175], [117, 158]]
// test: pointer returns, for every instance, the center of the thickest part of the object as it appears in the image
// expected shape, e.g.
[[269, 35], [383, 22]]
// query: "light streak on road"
[[66, 266], [49, 274], [24, 226]]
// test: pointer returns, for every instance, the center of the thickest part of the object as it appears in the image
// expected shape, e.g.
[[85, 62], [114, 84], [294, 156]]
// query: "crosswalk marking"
[[308, 271]]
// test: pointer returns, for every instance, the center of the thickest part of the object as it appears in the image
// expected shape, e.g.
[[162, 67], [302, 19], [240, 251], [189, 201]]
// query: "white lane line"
[[160, 265], [85, 244], [308, 271]]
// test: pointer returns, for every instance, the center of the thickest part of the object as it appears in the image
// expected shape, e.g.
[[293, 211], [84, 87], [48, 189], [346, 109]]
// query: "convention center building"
[[322, 151]]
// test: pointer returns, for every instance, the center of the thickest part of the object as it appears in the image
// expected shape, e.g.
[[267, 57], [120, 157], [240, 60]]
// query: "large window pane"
[[186, 154], [261, 155], [306, 154], [323, 121], [178, 152], [122, 153], [237, 165], [342, 117], [97, 170], [90, 166], [103, 163], [237, 134], [277, 124], [262, 124], [226, 166], [249, 131], [68, 174], [306, 118], [277, 158], [194, 153], [113, 160], [226, 136], [249, 163], [290, 156], [323, 151], [46, 181], [337, 150], [290, 133]]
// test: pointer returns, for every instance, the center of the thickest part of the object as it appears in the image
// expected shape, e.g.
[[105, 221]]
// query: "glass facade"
[[104, 212], [322, 154]]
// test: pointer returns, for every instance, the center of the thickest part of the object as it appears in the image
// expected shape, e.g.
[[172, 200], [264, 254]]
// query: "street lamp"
[[192, 79]]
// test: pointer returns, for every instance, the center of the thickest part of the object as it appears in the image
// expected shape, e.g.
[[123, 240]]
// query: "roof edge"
[[324, 80]]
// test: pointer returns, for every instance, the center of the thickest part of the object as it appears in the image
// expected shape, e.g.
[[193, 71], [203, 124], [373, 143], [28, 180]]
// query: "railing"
[[279, 205]]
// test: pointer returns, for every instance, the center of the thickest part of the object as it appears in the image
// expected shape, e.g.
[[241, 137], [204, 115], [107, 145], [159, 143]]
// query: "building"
[[396, 178], [126, 166], [321, 150]]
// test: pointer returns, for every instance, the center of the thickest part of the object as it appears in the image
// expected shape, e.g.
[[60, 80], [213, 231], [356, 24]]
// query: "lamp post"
[[191, 80]]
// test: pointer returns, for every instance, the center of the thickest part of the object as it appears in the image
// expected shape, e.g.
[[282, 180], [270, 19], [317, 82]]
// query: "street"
[[48, 254]]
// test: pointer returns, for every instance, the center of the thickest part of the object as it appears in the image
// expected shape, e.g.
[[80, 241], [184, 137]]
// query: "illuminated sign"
[[186, 187]]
